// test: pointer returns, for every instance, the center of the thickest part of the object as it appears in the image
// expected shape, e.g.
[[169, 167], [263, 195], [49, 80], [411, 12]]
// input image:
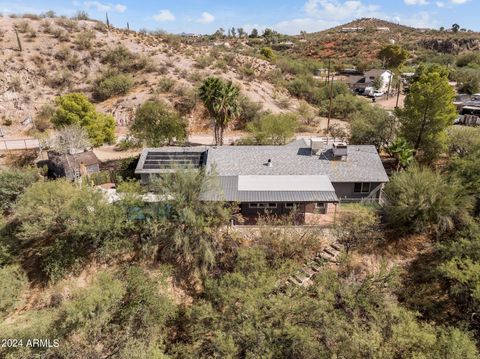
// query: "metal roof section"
[[281, 189], [170, 159], [284, 183]]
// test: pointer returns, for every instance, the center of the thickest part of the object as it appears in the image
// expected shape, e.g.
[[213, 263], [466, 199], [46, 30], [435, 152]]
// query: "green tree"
[[455, 28], [64, 223], [274, 129], [428, 111], [402, 152], [157, 125], [419, 199], [393, 56], [13, 183], [189, 234], [76, 109], [221, 100], [373, 126], [14, 283], [357, 225]]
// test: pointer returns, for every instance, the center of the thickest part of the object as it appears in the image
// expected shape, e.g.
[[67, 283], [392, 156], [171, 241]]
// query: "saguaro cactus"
[[108, 22], [18, 40]]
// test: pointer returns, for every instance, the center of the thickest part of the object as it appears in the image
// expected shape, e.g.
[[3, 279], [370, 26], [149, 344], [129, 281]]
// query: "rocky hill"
[[361, 40], [54, 56]]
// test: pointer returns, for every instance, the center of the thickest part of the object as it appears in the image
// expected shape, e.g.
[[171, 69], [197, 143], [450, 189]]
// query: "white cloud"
[[459, 1], [206, 18], [120, 8], [415, 2], [101, 7], [421, 19], [340, 10], [164, 15], [440, 4]]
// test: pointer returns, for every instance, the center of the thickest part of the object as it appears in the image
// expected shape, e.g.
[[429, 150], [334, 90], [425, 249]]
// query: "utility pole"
[[330, 105], [328, 72], [389, 83], [398, 92]]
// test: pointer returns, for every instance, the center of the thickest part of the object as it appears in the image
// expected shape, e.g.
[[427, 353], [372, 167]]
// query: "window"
[[263, 205], [320, 205], [361, 188], [289, 205]]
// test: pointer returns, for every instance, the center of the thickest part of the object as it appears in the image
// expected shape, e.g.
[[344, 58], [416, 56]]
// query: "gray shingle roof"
[[362, 164]]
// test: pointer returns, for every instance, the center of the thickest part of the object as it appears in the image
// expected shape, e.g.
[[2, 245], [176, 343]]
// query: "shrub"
[[14, 283], [23, 27], [274, 129], [111, 85], [44, 116], [419, 199], [268, 53], [157, 125], [249, 111], [122, 59], [63, 53], [468, 59], [84, 40], [60, 79], [372, 126], [166, 84], [357, 225], [13, 183]]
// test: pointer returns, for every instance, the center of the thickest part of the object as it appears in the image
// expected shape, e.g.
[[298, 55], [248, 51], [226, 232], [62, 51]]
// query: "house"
[[72, 166], [311, 176], [368, 79]]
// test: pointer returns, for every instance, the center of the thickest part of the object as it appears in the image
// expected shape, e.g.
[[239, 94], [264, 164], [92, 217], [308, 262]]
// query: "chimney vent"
[[269, 163], [340, 150]]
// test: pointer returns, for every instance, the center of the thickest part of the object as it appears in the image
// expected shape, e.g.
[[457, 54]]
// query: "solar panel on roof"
[[174, 160]]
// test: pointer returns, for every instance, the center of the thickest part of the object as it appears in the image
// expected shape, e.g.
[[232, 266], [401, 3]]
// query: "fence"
[[20, 144]]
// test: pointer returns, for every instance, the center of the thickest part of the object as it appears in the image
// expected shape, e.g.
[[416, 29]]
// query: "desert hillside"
[[362, 39], [60, 55]]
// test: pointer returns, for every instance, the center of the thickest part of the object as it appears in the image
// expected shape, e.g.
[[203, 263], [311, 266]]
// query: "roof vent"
[[269, 163], [340, 150], [316, 145]]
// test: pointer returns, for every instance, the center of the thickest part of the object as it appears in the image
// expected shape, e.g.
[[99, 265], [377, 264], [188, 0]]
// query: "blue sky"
[[288, 16]]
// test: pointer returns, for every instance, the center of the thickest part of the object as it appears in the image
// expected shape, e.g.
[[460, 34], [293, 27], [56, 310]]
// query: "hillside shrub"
[[112, 84], [13, 183], [84, 40], [274, 129], [14, 283]]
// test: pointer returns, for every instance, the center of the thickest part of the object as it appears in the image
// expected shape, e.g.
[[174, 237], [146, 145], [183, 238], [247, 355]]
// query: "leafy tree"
[[157, 125], [13, 183], [419, 199], [428, 111], [372, 126], [76, 109], [14, 283], [274, 129], [393, 56], [402, 152], [455, 28], [254, 33], [189, 233], [65, 223], [221, 100], [357, 225], [468, 80]]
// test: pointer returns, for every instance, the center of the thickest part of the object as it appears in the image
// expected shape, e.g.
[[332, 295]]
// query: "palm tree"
[[221, 100]]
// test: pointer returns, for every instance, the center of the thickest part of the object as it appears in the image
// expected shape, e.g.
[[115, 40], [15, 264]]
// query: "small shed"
[[74, 165]]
